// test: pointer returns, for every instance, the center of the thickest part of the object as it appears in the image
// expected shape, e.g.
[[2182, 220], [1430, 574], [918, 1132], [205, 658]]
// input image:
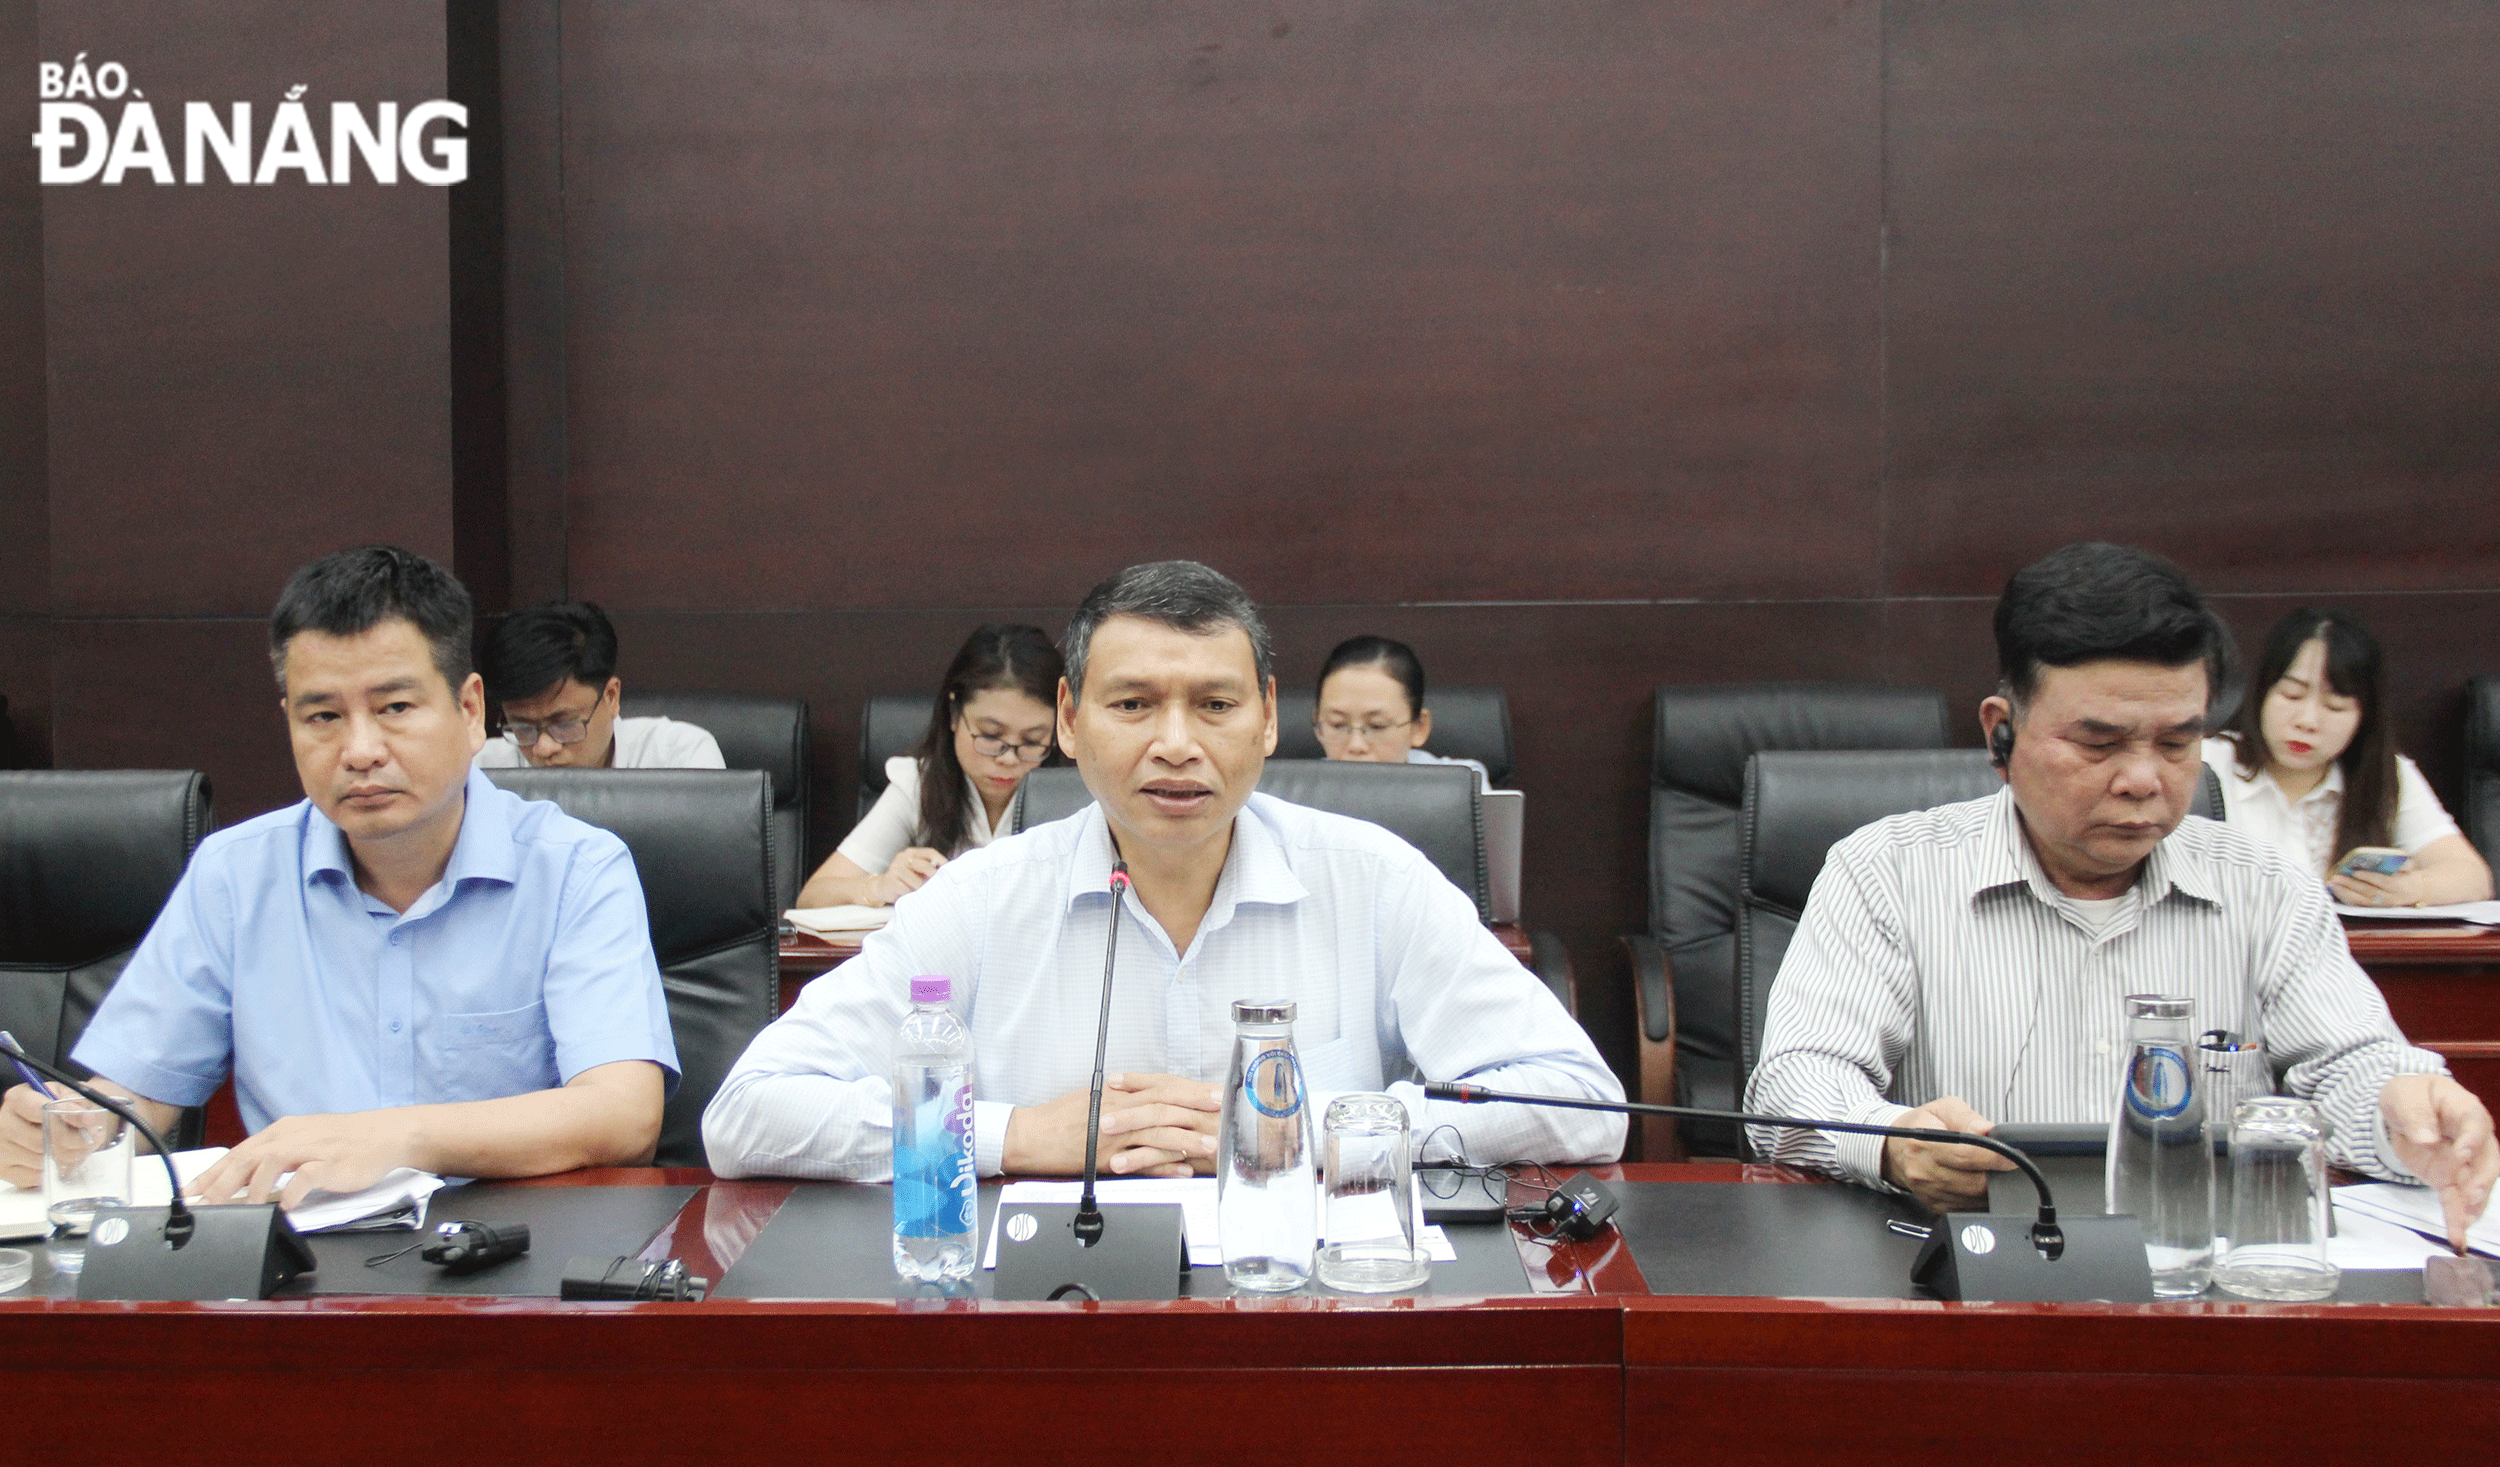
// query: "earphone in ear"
[[2001, 744]]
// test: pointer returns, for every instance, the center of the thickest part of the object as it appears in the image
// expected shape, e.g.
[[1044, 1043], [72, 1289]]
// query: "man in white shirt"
[[1169, 709], [1977, 955], [552, 671]]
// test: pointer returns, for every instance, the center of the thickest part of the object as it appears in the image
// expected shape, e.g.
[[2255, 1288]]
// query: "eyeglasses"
[[1338, 733], [562, 730], [1000, 749]]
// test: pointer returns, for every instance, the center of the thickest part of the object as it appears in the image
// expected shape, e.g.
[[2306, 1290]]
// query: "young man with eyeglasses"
[[551, 669]]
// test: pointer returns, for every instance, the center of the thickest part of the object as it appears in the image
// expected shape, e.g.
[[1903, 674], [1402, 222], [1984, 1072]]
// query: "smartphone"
[[2381, 860]]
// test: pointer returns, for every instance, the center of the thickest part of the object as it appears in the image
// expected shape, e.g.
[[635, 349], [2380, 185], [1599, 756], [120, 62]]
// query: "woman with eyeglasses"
[[993, 723], [1371, 708], [2310, 763]]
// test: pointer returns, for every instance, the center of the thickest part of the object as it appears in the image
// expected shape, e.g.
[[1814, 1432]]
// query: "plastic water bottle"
[[2161, 1164], [935, 1181], [1266, 1189]]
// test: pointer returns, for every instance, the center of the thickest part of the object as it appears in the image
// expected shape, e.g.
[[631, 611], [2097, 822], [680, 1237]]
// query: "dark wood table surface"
[[1585, 1367]]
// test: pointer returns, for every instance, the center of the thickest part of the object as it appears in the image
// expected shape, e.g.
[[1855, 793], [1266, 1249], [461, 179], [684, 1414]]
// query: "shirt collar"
[[483, 851], [2005, 859], [1256, 869]]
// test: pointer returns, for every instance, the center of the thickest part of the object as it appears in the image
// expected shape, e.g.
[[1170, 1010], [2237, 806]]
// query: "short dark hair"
[[1392, 657], [537, 647], [354, 591], [2355, 668], [1181, 594], [2096, 602]]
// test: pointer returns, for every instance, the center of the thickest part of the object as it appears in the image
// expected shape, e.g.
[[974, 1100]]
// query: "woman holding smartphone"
[[2310, 763]]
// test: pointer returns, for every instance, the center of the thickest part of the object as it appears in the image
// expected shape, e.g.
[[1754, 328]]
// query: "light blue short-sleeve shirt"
[[529, 962]]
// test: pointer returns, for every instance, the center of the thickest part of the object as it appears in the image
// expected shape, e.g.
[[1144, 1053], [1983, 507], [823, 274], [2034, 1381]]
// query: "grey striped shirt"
[[1936, 958]]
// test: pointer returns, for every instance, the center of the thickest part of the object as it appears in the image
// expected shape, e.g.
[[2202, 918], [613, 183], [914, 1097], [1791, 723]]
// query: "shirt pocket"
[[491, 1055], [1341, 1066]]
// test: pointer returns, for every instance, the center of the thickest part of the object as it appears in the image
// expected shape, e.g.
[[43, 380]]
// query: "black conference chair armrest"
[[1551, 962], [1653, 999]]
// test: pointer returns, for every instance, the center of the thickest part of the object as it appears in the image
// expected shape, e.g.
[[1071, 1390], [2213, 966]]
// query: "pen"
[[10, 1040]]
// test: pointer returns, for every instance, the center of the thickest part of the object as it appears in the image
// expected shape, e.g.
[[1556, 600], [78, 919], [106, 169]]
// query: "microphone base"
[[236, 1251], [1143, 1254], [1989, 1255]]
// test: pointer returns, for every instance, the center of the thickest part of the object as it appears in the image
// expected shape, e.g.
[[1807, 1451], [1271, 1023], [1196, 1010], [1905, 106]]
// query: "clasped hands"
[[1152, 1126]]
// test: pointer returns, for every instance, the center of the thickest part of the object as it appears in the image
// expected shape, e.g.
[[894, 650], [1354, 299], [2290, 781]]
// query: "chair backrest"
[[888, 727], [87, 858], [754, 731], [1469, 721], [702, 848], [1433, 807], [1797, 805], [2482, 766], [1705, 733]]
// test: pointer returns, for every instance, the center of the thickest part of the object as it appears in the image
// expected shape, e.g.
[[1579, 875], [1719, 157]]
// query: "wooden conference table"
[[1658, 1341]]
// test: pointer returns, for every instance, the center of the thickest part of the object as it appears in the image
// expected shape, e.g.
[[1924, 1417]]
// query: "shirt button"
[[2100, 1048], [395, 1027]]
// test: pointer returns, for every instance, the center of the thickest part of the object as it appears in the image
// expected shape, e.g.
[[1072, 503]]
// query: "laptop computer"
[[1505, 830]]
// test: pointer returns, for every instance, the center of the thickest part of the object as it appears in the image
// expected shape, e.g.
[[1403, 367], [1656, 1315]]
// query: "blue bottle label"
[[2158, 1084], [936, 1184], [1273, 1083]]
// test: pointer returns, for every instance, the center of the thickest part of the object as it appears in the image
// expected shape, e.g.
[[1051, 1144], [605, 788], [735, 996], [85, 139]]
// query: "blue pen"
[[32, 1078]]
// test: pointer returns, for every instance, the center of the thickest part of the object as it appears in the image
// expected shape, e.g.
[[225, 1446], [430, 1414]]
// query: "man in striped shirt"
[[1966, 965]]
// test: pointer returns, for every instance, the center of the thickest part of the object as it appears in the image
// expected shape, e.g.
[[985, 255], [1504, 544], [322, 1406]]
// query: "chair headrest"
[[1799, 802], [1706, 731], [754, 731], [2482, 724], [888, 727], [1432, 807], [698, 836], [1469, 721], [88, 856]]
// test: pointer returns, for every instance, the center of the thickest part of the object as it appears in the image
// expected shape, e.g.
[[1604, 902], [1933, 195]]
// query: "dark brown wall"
[[1586, 345]]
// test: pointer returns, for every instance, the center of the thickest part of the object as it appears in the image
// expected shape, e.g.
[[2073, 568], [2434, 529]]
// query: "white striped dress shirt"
[[1936, 958], [1392, 972]]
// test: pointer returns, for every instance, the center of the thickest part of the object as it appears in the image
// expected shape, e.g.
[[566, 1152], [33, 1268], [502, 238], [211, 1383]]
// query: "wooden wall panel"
[[186, 694], [243, 377], [2212, 276], [924, 304], [25, 564]]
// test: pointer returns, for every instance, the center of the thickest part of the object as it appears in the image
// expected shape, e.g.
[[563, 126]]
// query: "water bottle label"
[[935, 1194], [1273, 1083], [2158, 1087]]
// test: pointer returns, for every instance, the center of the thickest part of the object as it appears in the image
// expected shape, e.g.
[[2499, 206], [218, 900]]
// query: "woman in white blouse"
[[1371, 706], [2310, 763], [993, 723]]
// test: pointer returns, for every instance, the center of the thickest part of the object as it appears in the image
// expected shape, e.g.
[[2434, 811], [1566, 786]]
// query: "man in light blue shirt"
[[1169, 710], [410, 968]]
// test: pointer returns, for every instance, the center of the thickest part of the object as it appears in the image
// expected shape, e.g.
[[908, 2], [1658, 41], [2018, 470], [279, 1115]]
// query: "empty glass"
[[1367, 1184], [2276, 1245], [86, 1163]]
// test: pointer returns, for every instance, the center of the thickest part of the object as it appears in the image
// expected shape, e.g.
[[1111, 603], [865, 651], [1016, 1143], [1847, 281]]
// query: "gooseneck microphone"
[[178, 1219], [1088, 1213], [2046, 1235]]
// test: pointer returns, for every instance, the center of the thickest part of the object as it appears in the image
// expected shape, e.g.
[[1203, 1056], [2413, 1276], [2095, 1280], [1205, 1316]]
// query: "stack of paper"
[[835, 921], [2486, 914], [395, 1203], [2416, 1209], [1196, 1196]]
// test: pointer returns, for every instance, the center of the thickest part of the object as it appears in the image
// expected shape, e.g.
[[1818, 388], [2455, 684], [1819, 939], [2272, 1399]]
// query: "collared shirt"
[[640, 743], [1392, 972], [893, 823], [1936, 958], [2305, 828], [527, 963]]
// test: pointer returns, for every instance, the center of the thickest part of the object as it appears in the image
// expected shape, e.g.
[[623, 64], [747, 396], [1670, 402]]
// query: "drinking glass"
[[1368, 1191], [2276, 1245], [86, 1163]]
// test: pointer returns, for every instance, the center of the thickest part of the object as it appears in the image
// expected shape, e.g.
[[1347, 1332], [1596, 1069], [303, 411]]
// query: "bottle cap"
[[932, 990], [1270, 1012], [2158, 1006]]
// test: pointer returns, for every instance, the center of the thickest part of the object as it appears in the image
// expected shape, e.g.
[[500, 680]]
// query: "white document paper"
[[2484, 914], [21, 1208], [2417, 1209], [396, 1202], [838, 921], [1196, 1196]]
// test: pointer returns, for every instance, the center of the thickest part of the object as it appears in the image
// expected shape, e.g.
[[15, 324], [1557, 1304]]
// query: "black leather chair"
[[754, 731], [1432, 807], [888, 726], [2482, 766], [702, 847], [1468, 722], [87, 858], [1683, 970]]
